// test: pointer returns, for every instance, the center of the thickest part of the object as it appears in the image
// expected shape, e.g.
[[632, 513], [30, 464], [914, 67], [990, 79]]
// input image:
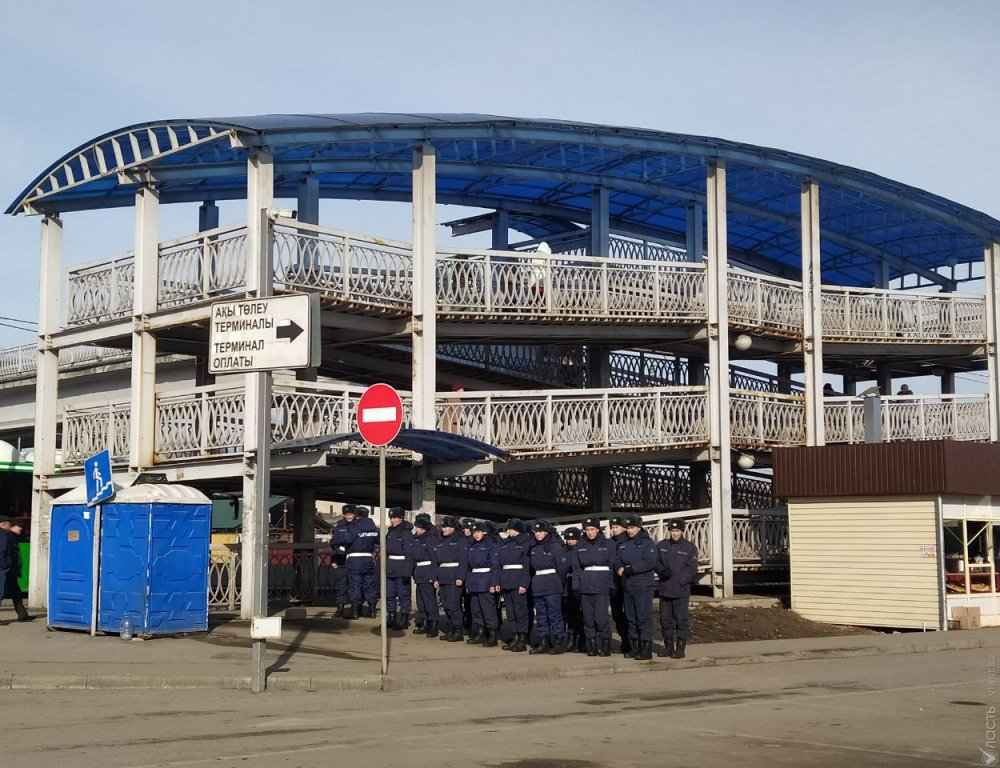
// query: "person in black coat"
[[515, 579], [572, 608], [593, 561], [482, 586], [677, 567], [616, 526], [398, 569], [635, 561], [451, 555], [10, 566], [425, 539], [548, 571]]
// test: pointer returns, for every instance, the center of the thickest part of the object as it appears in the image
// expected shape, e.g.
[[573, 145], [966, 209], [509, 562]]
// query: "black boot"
[[679, 650], [390, 620], [420, 628], [356, 611], [456, 635], [668, 648], [490, 638], [645, 652], [558, 645], [632, 648], [592, 646], [476, 637], [403, 621], [605, 649], [430, 629], [372, 610], [520, 644], [510, 643], [543, 645]]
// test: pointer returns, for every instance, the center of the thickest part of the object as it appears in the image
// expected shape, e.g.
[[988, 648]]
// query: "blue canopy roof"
[[544, 172], [436, 446]]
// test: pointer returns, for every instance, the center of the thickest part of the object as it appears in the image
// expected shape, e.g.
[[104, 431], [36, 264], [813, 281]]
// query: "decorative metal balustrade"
[[634, 284], [582, 420], [87, 431], [203, 266], [768, 304], [22, 362], [880, 315], [766, 419], [910, 417], [496, 283]]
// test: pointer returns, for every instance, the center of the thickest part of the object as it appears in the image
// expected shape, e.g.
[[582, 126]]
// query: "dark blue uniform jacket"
[[593, 562], [422, 552], [677, 567], [548, 555], [638, 557], [515, 566], [399, 551], [451, 555], [484, 566]]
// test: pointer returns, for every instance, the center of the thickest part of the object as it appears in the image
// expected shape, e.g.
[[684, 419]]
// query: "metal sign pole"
[[95, 571], [383, 557]]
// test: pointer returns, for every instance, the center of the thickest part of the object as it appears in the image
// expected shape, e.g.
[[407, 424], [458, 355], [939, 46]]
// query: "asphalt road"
[[908, 710]]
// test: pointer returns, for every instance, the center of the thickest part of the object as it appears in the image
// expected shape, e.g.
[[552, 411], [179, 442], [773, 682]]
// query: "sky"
[[909, 89]]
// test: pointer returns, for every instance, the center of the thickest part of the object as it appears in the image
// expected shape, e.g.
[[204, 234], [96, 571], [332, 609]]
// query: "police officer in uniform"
[[677, 567], [398, 569], [425, 539], [617, 528], [515, 578], [451, 554], [483, 585], [361, 581], [343, 535], [548, 569], [594, 560], [634, 561], [572, 610]]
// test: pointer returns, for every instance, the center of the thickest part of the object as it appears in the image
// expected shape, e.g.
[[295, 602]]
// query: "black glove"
[[665, 574]]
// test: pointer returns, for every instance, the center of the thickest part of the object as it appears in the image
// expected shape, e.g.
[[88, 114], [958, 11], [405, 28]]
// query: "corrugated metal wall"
[[865, 561], [882, 469]]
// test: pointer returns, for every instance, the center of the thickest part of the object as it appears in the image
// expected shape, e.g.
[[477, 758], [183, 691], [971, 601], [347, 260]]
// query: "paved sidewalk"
[[324, 653]]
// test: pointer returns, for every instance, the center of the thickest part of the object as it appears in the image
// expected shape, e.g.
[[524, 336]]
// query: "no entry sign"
[[380, 414]]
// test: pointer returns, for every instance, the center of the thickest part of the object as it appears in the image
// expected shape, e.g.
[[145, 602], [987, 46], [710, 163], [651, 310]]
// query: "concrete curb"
[[616, 666]]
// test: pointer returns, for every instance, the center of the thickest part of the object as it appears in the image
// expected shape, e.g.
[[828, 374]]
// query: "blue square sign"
[[97, 474]]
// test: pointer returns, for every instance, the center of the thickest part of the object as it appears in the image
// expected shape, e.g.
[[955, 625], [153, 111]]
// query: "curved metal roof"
[[540, 170]]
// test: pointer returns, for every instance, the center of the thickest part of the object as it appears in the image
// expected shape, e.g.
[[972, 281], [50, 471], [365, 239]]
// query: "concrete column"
[[720, 449], [599, 376], [991, 268], [46, 409], [812, 325], [208, 216], [424, 370], [600, 223], [695, 239], [948, 381], [257, 393], [784, 378], [883, 377], [142, 445]]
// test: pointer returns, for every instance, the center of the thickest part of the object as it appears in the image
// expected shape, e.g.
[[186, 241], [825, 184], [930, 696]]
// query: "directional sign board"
[[264, 334], [97, 472], [380, 414]]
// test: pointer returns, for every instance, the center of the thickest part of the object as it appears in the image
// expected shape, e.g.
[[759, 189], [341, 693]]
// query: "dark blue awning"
[[436, 446]]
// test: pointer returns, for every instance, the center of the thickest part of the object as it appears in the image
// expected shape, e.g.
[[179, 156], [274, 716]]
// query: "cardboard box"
[[967, 617]]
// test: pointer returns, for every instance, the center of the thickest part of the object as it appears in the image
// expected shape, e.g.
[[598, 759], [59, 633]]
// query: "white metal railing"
[[634, 283], [202, 266], [870, 313], [764, 302], [910, 417], [586, 419], [761, 419], [87, 431], [350, 267], [501, 282], [100, 291], [22, 362]]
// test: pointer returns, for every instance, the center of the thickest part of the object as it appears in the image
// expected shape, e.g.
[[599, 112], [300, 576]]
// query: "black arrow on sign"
[[290, 331]]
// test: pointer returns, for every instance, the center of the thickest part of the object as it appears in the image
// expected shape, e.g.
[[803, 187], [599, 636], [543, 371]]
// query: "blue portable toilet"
[[71, 561], [155, 542]]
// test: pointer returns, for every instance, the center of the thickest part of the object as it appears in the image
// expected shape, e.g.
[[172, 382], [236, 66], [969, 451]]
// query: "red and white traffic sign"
[[380, 414]]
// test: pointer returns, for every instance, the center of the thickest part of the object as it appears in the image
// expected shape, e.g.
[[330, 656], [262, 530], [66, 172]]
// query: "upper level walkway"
[[360, 274]]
